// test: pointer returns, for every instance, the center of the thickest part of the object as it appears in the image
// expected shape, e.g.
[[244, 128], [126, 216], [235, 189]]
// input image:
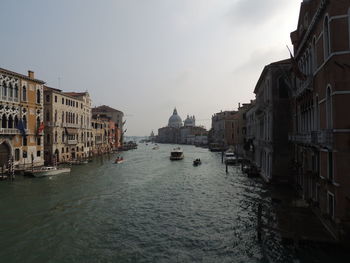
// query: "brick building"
[[321, 126]]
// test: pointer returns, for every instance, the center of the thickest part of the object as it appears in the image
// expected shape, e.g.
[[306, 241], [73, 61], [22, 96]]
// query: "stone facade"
[[21, 102], [222, 128], [272, 114], [67, 120]]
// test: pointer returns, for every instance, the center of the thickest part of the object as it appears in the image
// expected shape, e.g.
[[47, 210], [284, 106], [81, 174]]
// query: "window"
[[38, 96], [38, 153], [10, 122], [326, 38], [10, 91], [329, 107], [24, 143], [330, 204], [4, 89], [47, 98], [62, 150], [282, 89], [330, 166], [16, 91], [55, 115], [25, 154], [38, 141], [62, 100], [56, 136], [24, 119], [47, 116], [56, 99], [62, 116], [17, 154]]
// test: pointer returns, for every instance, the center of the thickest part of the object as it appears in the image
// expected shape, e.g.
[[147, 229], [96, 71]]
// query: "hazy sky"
[[144, 57]]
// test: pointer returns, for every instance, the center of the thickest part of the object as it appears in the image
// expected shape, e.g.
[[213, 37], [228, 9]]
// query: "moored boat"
[[49, 171], [176, 154], [230, 157]]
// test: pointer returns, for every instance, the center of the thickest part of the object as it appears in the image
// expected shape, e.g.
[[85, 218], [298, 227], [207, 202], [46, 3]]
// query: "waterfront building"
[[67, 120], [222, 127], [240, 128], [182, 132], [272, 116], [321, 98], [117, 117], [21, 117], [102, 127]]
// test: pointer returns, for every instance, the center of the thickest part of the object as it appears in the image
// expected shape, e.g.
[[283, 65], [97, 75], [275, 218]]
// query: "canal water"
[[147, 209]]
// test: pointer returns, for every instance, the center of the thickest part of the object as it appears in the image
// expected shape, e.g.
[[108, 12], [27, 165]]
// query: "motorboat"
[[155, 147], [176, 154], [230, 157], [197, 162], [49, 171]]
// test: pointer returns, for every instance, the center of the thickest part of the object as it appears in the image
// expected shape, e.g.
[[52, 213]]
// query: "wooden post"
[[226, 168], [222, 157], [259, 225]]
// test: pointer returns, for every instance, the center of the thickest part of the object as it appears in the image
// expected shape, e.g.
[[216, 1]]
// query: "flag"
[[300, 75], [20, 126], [41, 128]]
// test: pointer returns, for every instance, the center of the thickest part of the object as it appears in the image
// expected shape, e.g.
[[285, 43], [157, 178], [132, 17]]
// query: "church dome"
[[175, 120], [190, 121]]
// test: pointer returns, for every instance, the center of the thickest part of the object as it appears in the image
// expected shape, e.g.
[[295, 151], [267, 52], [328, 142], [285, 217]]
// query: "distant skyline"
[[147, 57]]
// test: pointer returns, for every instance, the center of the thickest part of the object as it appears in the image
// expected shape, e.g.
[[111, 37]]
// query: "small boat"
[[119, 160], [176, 154], [197, 162], [49, 171], [230, 157], [155, 147]]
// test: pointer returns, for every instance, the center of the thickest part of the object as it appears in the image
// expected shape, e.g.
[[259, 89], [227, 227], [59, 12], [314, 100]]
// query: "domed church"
[[175, 120], [176, 132]]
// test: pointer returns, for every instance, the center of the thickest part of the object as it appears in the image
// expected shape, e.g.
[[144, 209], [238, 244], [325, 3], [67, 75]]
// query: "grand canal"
[[147, 209]]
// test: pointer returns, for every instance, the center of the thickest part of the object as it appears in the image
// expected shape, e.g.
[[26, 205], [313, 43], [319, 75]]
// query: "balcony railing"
[[11, 131], [72, 142], [70, 125], [321, 138]]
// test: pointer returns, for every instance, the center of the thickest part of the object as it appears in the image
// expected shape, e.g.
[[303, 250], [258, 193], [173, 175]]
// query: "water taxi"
[[176, 154], [197, 162]]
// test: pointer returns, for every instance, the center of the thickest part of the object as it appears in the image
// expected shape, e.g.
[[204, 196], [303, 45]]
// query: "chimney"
[[31, 74]]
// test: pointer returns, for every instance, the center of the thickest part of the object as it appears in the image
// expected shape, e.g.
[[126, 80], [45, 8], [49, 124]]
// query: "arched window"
[[63, 138], [326, 38], [10, 122], [37, 123], [16, 121], [24, 119], [24, 93], [4, 121], [38, 96], [10, 91], [16, 91], [4, 89], [329, 107]]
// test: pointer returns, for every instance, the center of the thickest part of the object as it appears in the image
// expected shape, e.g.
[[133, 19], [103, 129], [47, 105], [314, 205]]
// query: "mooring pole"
[[226, 168], [222, 157], [259, 225]]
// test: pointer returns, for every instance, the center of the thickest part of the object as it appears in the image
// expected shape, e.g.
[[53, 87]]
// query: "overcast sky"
[[144, 57]]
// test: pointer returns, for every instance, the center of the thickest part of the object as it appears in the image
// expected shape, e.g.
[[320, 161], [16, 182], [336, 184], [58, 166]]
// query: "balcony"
[[70, 125], [304, 138], [322, 138], [51, 124], [72, 142], [304, 86], [9, 131]]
